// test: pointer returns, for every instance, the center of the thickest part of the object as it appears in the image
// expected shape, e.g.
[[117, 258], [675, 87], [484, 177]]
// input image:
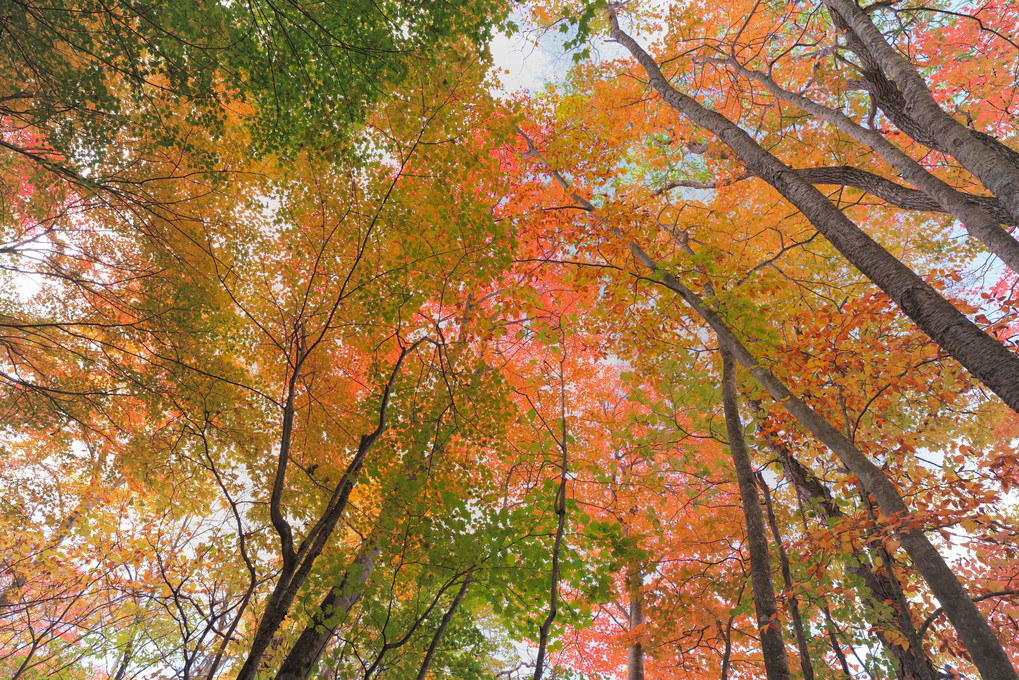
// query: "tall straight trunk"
[[793, 602], [776, 665], [990, 164], [982, 355], [982, 644], [635, 653]]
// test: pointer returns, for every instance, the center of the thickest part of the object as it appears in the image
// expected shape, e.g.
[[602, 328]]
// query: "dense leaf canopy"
[[324, 355]]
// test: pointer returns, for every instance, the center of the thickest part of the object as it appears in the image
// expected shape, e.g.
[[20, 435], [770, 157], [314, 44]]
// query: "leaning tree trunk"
[[987, 159], [792, 601], [913, 663], [982, 644], [341, 598], [297, 565], [981, 216], [776, 665], [982, 355]]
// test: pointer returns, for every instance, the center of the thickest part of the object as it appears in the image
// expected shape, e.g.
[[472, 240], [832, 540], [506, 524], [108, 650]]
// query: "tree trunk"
[[982, 644], [991, 165], [776, 665], [912, 663], [793, 602], [981, 216], [978, 637], [297, 565], [443, 625], [982, 355], [337, 603], [635, 653], [836, 646]]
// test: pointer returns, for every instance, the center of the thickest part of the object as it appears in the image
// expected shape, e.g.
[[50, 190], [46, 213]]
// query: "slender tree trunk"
[[297, 564], [836, 646], [125, 659], [793, 602], [635, 653], [443, 625], [560, 511], [302, 658], [727, 653], [982, 355], [765, 603], [973, 629], [978, 637], [912, 663]]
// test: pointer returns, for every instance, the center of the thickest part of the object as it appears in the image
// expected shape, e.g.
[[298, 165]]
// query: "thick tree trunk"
[[337, 603], [973, 629], [988, 163], [776, 665], [982, 355], [981, 216], [978, 637]]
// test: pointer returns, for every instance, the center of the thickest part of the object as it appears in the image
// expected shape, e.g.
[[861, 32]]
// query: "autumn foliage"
[[322, 355]]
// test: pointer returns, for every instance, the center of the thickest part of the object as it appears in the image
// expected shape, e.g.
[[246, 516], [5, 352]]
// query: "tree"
[[320, 360]]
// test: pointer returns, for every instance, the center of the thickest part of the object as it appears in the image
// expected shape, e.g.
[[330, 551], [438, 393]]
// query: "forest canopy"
[[327, 351]]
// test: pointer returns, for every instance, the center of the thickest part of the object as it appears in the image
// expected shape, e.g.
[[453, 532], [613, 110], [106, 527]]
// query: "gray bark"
[[776, 665], [987, 163], [981, 216], [304, 655], [973, 629], [635, 653], [981, 354], [913, 663], [898, 195]]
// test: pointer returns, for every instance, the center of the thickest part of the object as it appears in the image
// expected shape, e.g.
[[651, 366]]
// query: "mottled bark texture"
[[904, 96], [304, 655], [981, 354], [635, 652]]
